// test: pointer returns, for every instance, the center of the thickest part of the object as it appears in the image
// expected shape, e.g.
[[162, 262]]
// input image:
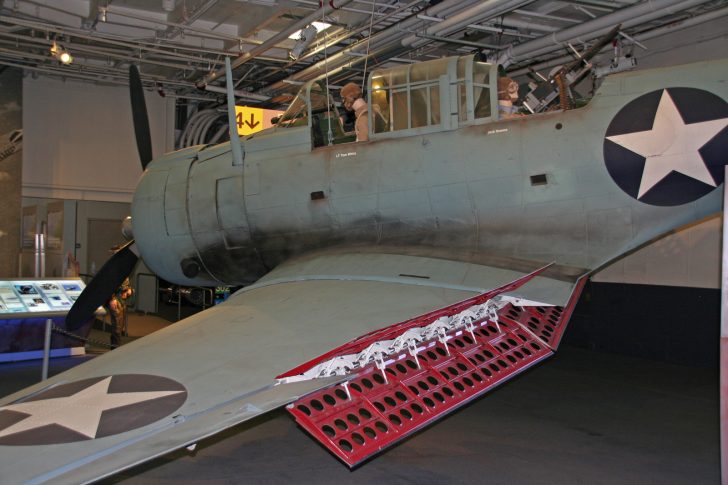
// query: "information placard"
[[53, 296]]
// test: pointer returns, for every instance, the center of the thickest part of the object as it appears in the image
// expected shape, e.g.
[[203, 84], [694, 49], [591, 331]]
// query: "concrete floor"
[[580, 417]]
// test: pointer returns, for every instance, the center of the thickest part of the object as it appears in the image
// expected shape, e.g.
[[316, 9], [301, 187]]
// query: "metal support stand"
[[724, 346], [46, 348]]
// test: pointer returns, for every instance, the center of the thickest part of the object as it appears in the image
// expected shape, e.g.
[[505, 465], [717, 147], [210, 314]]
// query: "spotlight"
[[61, 54], [304, 40]]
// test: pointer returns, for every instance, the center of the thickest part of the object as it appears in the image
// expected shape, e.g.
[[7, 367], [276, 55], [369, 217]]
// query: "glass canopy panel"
[[297, 112], [481, 89]]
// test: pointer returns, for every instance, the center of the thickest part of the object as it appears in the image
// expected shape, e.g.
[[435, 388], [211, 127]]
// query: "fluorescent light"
[[319, 27]]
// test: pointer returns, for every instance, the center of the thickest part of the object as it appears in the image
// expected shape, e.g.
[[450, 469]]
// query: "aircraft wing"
[[246, 357]]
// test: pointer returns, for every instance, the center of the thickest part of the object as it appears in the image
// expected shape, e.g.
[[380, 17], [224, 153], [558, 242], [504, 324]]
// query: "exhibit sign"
[[22, 298], [250, 120]]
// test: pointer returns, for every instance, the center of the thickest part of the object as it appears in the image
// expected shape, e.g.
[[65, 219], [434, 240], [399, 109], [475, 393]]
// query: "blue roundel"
[[89, 409], [668, 147]]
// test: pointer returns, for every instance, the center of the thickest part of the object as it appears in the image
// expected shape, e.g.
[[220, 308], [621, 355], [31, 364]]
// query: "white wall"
[[79, 141], [690, 257]]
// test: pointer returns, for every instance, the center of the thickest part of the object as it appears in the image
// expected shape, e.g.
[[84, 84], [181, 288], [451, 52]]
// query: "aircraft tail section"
[[401, 392]]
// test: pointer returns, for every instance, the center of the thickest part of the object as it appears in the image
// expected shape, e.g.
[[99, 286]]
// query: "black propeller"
[[111, 275], [139, 115]]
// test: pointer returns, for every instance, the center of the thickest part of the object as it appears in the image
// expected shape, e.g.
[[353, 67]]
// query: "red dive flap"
[[387, 401]]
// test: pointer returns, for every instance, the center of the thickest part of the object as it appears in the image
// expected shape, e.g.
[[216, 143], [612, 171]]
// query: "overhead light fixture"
[[320, 26], [304, 39], [63, 56]]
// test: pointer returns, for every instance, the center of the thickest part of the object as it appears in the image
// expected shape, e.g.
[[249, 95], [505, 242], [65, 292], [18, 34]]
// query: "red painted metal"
[[379, 407], [385, 333], [547, 322]]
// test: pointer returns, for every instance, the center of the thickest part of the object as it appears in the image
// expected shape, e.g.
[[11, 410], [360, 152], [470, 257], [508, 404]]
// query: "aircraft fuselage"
[[533, 189]]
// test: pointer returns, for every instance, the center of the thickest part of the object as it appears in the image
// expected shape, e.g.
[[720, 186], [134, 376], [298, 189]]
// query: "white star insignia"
[[80, 412], [671, 145]]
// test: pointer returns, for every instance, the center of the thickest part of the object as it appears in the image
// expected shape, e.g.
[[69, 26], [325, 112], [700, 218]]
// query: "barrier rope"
[[87, 340]]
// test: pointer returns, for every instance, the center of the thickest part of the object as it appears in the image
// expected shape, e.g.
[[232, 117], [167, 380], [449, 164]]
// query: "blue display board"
[[47, 297]]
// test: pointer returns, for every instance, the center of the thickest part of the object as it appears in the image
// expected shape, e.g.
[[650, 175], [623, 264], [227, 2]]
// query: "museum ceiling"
[[180, 45]]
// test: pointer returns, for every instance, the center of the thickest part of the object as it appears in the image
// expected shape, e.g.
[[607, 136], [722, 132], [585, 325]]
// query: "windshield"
[[296, 114], [318, 99]]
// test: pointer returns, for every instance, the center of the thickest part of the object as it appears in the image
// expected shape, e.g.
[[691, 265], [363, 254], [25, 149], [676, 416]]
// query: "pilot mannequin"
[[507, 95], [116, 307], [351, 97]]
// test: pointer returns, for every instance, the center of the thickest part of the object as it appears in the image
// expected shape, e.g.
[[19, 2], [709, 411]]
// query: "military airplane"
[[386, 283]]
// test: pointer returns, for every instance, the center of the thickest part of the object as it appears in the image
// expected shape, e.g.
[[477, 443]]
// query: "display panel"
[[38, 296]]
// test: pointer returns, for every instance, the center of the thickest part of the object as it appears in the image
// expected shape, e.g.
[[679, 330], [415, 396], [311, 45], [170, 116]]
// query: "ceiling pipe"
[[313, 4], [32, 42], [468, 43], [82, 35], [273, 41], [650, 34], [105, 78], [170, 25], [481, 11], [239, 93], [629, 16], [528, 25]]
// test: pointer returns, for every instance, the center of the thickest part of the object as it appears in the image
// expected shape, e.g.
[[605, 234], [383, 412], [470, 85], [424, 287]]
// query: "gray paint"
[[463, 193]]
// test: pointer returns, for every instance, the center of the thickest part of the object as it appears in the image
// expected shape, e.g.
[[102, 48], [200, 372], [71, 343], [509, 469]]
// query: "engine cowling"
[[190, 221]]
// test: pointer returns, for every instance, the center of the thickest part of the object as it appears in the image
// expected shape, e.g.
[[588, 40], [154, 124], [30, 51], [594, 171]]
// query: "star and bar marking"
[[79, 414], [670, 146]]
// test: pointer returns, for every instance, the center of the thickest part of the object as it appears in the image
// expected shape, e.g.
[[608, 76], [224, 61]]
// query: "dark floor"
[[580, 417]]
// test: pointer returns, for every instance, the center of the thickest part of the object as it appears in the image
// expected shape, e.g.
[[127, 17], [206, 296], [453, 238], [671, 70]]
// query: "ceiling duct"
[[273, 41], [384, 40], [481, 11], [628, 16], [650, 34]]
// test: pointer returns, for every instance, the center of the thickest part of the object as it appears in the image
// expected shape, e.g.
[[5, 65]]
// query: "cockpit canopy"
[[425, 97], [431, 96], [311, 104]]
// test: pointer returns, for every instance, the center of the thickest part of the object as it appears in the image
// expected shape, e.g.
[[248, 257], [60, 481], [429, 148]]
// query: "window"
[[426, 96], [326, 126], [481, 89], [296, 114], [408, 96]]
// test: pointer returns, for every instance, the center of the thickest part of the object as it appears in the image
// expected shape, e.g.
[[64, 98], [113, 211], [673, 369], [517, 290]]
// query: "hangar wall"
[[10, 169], [80, 139]]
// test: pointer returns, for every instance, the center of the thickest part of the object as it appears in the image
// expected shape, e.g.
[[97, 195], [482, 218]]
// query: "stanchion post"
[[46, 348]]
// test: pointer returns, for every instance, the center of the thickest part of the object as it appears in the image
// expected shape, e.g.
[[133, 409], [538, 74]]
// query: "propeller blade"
[[111, 275], [139, 115]]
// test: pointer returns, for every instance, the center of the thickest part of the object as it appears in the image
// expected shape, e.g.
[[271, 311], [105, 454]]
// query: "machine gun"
[[560, 81]]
